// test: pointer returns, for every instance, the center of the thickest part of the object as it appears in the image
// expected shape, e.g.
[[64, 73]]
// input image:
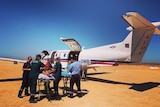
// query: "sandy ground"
[[118, 86]]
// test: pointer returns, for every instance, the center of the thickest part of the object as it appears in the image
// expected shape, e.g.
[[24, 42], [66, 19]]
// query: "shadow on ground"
[[135, 86], [10, 79], [51, 96]]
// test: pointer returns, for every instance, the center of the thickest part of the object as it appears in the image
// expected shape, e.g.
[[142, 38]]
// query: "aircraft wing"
[[94, 66], [13, 60], [98, 65], [72, 44]]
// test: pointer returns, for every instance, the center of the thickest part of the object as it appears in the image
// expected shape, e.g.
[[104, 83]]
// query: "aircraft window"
[[64, 54], [144, 42], [147, 37], [143, 47], [127, 45], [57, 54]]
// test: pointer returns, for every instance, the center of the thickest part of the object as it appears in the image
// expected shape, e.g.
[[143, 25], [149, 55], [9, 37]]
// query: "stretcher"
[[65, 77], [44, 81]]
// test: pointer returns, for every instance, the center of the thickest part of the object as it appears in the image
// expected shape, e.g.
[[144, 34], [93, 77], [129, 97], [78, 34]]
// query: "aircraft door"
[[52, 57], [74, 54], [72, 44]]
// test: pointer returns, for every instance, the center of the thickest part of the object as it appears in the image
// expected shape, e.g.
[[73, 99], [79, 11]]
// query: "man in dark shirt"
[[26, 70], [33, 75], [57, 76]]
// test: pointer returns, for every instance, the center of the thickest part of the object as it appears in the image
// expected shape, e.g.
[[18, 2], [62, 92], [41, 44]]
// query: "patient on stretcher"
[[46, 74]]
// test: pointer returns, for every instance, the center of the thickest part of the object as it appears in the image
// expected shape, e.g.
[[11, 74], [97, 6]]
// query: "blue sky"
[[29, 26]]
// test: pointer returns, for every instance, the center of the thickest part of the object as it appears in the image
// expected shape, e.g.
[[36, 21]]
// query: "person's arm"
[[42, 66], [70, 68], [46, 73], [26, 67], [54, 68]]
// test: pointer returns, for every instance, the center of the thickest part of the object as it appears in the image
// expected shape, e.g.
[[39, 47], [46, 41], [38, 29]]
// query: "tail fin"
[[141, 32]]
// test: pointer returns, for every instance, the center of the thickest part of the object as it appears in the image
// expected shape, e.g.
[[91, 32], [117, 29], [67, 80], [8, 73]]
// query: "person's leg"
[[56, 85], [26, 84], [78, 82], [22, 87], [32, 82], [20, 92], [26, 91], [33, 87], [72, 80], [78, 85]]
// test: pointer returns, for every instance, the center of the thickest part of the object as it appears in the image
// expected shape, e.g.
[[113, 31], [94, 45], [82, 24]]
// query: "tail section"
[[132, 48], [140, 35], [157, 31]]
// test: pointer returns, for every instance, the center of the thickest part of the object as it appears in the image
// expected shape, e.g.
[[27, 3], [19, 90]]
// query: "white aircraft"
[[131, 49]]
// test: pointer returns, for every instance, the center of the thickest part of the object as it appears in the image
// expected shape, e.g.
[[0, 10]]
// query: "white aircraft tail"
[[131, 49], [140, 35]]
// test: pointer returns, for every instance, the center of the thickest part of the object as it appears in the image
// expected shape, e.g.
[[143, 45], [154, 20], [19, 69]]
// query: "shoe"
[[27, 94], [20, 93], [79, 94], [19, 96], [70, 96], [32, 100], [57, 98]]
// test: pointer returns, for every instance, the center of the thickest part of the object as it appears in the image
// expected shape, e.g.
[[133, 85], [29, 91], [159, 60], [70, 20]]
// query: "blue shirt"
[[75, 68], [68, 67]]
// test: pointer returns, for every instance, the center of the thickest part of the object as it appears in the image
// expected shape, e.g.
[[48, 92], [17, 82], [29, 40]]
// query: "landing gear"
[[84, 74]]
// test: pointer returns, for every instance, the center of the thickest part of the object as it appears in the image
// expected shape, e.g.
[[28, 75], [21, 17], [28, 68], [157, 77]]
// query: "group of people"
[[32, 69]]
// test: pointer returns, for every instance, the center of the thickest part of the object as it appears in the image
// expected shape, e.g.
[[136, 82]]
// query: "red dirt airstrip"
[[117, 86]]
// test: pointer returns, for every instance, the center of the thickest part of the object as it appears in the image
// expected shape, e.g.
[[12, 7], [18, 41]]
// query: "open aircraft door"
[[74, 46]]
